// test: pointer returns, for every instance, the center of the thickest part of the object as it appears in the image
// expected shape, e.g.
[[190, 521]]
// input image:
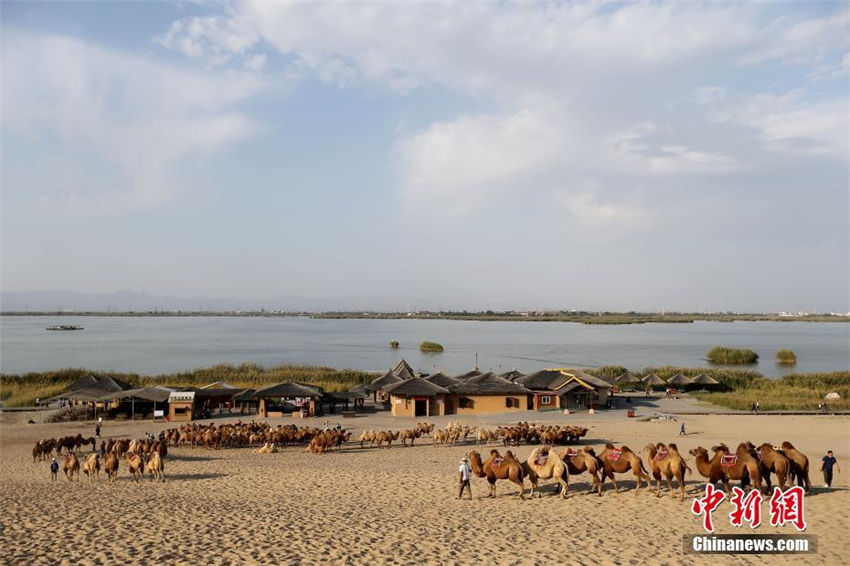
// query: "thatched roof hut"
[[442, 380], [626, 379], [467, 375], [703, 379], [488, 384], [550, 379], [403, 370], [652, 379], [512, 375], [679, 379], [416, 387], [156, 393], [381, 383], [287, 390]]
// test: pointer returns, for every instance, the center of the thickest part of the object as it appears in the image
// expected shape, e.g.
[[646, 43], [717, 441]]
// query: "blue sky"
[[535, 155]]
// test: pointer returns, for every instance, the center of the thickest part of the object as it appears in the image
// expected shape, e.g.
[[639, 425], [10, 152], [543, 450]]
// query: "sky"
[[654, 156]]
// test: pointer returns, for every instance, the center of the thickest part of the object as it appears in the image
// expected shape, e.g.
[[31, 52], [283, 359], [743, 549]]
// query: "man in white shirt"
[[464, 473]]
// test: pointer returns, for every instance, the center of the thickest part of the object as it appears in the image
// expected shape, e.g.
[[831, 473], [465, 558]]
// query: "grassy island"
[[431, 347], [731, 356], [786, 357]]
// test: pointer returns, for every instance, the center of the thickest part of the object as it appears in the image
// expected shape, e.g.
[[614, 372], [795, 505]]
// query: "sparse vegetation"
[[394, 344], [802, 391], [786, 357], [431, 347], [731, 356], [17, 390]]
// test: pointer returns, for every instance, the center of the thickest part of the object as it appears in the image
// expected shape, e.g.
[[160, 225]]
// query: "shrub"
[[786, 357], [394, 344], [427, 346], [722, 355]]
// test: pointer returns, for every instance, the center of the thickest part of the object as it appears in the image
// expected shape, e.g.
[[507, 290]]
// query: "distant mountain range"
[[122, 301]]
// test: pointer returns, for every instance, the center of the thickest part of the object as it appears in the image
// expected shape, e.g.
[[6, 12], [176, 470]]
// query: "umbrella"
[[703, 379], [679, 379], [653, 379], [832, 396], [626, 378]]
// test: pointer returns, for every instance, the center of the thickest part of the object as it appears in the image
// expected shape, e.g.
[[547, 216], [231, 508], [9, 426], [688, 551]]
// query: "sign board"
[[181, 396], [159, 414]]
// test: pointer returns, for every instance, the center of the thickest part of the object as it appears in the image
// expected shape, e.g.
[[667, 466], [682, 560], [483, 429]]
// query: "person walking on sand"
[[826, 467], [758, 407], [464, 473], [682, 429], [54, 469], [97, 430]]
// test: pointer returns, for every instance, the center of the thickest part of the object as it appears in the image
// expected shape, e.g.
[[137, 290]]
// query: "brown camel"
[[387, 436], [799, 465], [582, 461], [618, 461], [547, 465], [156, 468], [136, 465], [497, 467], [71, 466], [110, 466], [666, 460], [411, 434], [91, 467], [771, 462], [724, 466]]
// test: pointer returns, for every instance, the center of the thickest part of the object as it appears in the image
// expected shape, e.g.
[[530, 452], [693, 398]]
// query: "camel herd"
[[752, 465], [749, 464], [455, 432], [141, 455]]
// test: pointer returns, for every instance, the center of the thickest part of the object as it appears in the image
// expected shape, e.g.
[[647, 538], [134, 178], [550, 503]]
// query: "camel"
[[110, 466], [497, 467], [267, 448], [441, 436], [71, 466], [799, 465], [666, 460], [584, 461], [734, 467], [156, 468], [411, 434], [91, 467], [136, 465], [43, 449], [367, 436], [487, 436], [771, 462], [548, 465], [620, 461], [387, 436]]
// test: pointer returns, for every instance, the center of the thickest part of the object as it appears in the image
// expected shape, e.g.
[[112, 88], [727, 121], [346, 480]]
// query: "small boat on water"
[[65, 327]]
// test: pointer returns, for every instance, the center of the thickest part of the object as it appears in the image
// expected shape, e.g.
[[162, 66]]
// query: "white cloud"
[[144, 123]]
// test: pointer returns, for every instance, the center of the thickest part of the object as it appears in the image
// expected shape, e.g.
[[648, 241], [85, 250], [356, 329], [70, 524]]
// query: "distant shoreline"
[[581, 317]]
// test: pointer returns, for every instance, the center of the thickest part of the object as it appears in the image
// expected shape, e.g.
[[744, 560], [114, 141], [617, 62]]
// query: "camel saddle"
[[541, 459], [571, 454], [614, 454], [660, 455], [728, 460], [497, 461]]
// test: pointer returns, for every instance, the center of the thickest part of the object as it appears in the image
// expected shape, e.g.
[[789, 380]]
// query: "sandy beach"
[[394, 506]]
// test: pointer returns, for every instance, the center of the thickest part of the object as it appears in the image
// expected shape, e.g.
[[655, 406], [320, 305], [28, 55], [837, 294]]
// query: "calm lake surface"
[[151, 345]]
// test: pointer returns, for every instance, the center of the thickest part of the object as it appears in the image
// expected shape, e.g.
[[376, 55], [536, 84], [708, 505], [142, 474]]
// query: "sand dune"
[[393, 506]]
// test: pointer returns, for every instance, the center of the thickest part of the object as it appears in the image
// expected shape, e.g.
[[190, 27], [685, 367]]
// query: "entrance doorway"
[[420, 408]]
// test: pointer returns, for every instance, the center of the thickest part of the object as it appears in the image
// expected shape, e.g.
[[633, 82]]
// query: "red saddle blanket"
[[541, 460], [728, 460], [614, 455], [660, 455], [571, 455]]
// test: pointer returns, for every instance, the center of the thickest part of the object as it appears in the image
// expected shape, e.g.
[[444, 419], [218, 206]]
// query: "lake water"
[[151, 345]]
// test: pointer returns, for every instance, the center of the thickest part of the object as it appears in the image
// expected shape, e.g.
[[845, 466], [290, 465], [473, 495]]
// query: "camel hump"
[[609, 446], [672, 447], [787, 445], [625, 449]]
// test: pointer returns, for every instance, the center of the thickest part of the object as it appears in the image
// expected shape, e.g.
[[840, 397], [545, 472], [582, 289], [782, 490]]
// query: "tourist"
[[753, 407], [97, 430], [54, 469], [682, 429], [464, 473], [326, 425], [826, 467], [757, 406]]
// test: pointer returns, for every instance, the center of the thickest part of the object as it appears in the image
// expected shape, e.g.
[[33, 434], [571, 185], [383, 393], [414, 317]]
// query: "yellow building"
[[486, 393], [417, 397]]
